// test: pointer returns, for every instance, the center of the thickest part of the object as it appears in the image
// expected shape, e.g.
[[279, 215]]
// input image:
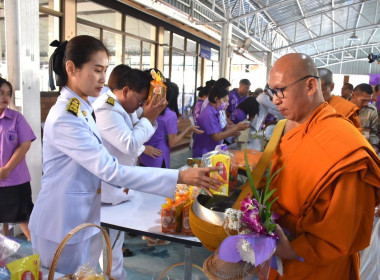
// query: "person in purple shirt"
[[210, 124], [166, 135], [249, 107], [238, 95], [202, 96], [16, 137]]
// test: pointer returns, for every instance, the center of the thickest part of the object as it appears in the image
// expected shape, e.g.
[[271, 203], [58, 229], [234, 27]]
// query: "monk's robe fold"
[[327, 192], [347, 109]]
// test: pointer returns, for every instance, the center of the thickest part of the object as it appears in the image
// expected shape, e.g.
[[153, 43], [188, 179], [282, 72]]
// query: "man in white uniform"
[[123, 135]]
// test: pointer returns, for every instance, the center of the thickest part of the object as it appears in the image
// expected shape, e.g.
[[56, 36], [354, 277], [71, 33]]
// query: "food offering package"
[[157, 87]]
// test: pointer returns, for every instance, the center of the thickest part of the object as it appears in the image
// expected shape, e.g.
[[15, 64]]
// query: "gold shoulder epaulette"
[[73, 106], [111, 101]]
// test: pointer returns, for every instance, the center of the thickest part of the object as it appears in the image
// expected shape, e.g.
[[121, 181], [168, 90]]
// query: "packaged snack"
[[86, 272], [171, 215], [7, 247], [25, 268], [157, 87], [186, 230]]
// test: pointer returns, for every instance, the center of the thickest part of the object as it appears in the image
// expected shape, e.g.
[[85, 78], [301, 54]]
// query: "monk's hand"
[[154, 108], [200, 177], [284, 248], [152, 151]]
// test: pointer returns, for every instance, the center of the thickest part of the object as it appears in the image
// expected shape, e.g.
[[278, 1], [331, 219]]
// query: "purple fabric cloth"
[[14, 130], [197, 111], [262, 245], [208, 122], [167, 124], [238, 116], [234, 100]]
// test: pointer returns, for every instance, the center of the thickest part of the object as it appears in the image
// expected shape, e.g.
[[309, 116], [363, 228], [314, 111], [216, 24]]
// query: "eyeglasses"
[[5, 93], [141, 102], [279, 92]]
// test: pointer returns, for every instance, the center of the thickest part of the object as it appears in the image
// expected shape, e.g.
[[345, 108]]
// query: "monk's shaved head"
[[327, 84], [295, 78]]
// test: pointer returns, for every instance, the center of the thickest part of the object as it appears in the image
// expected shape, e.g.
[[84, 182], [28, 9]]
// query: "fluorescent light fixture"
[[354, 37]]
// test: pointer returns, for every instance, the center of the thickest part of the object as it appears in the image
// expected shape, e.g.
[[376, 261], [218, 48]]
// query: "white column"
[[269, 63], [23, 60], [225, 51]]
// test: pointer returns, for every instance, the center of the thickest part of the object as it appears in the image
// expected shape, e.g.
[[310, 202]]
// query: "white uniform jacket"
[[123, 135], [74, 163], [265, 106]]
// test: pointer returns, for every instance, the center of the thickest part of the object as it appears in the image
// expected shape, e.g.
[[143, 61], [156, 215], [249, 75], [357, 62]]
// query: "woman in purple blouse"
[[202, 96], [166, 135], [15, 138], [249, 107], [210, 124]]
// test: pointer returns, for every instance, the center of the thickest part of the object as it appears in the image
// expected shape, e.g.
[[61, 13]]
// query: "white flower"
[[233, 217], [246, 252]]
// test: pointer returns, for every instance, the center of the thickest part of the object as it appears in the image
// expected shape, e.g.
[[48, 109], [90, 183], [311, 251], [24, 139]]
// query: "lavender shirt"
[[238, 116], [209, 122], [14, 130], [234, 100], [167, 124], [197, 111]]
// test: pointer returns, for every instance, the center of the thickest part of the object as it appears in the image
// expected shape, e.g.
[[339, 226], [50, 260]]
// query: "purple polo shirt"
[[238, 116], [14, 130], [197, 111], [167, 124], [234, 100], [210, 124]]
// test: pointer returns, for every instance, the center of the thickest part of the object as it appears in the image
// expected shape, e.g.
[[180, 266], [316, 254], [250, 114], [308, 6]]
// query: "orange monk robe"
[[347, 109], [327, 191]]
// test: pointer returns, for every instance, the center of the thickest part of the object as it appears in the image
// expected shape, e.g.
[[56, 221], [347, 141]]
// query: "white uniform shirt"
[[74, 163], [124, 136], [265, 106]]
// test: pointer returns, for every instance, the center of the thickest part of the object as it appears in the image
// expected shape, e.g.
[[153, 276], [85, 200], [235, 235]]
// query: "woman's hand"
[[151, 111], [196, 129], [284, 248], [152, 151], [200, 177], [4, 173], [242, 125]]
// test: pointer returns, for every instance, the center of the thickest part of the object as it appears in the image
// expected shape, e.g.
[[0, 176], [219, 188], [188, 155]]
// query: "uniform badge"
[[111, 101], [84, 113], [73, 106]]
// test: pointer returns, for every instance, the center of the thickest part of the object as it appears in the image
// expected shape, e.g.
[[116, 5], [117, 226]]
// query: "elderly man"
[[330, 183], [368, 114], [346, 108], [346, 91]]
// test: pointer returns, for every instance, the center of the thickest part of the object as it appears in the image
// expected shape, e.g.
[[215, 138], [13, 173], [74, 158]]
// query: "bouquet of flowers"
[[251, 229]]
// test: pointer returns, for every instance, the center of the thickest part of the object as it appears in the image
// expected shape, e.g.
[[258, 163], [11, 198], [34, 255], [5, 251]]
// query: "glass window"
[[49, 31], [166, 61], [140, 28], [148, 55], [189, 86], [214, 55], [51, 4], [212, 70], [178, 42], [132, 52], [3, 58], [88, 30], [191, 46], [99, 14], [167, 37], [177, 75], [113, 42]]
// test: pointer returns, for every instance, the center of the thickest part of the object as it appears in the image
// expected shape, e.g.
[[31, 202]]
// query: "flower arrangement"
[[252, 227]]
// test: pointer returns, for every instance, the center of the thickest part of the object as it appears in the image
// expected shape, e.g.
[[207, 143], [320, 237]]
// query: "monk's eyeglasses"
[[279, 92]]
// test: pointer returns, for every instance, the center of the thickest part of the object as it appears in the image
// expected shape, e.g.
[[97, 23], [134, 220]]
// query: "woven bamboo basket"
[[67, 238]]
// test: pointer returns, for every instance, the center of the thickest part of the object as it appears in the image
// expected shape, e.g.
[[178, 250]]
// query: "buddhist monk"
[[342, 106], [330, 182]]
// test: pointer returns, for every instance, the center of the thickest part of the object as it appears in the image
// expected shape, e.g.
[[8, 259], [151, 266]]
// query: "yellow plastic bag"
[[25, 268]]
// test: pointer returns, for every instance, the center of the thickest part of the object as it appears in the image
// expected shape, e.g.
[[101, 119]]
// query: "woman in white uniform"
[[75, 162], [124, 135]]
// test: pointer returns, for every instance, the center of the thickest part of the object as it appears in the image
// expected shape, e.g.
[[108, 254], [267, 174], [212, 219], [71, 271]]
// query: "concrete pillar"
[[69, 19], [160, 49], [269, 63], [225, 51], [23, 59]]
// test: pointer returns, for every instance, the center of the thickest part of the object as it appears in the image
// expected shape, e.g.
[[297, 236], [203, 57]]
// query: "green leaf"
[[269, 206], [268, 195], [250, 178]]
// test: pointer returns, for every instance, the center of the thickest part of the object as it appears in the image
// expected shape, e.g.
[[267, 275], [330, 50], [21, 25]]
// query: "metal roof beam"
[[262, 9]]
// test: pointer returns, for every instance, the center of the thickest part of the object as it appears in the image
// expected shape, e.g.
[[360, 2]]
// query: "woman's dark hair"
[[203, 91], [249, 106], [4, 81], [222, 82], [217, 91], [172, 92], [79, 50], [123, 75]]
